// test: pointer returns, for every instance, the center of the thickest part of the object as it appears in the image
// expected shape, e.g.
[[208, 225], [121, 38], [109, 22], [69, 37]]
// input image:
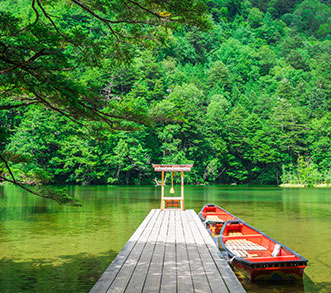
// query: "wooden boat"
[[214, 217], [260, 256]]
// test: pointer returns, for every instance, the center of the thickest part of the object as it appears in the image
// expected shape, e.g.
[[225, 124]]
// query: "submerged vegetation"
[[239, 88]]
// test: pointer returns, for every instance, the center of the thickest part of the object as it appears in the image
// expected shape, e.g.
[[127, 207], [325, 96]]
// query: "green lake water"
[[45, 247]]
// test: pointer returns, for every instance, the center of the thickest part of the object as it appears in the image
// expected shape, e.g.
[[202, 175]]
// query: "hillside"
[[244, 98]]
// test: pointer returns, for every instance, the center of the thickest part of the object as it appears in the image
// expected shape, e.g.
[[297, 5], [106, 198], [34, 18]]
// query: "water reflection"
[[45, 247]]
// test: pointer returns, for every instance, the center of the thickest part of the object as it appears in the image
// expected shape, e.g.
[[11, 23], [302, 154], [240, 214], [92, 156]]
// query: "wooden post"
[[182, 190], [162, 192]]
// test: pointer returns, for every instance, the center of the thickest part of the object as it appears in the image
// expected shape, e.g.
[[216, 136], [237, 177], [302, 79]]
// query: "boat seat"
[[235, 234], [240, 253], [239, 247], [242, 236], [213, 218]]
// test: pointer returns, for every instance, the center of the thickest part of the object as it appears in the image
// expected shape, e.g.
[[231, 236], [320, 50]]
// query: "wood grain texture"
[[171, 251]]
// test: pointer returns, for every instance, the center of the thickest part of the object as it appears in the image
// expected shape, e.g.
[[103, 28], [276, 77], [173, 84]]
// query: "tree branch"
[[48, 104], [19, 184], [105, 21], [220, 173], [35, 10], [54, 25], [42, 52], [147, 10], [94, 110], [8, 90], [34, 57], [8, 168], [59, 198], [8, 107]]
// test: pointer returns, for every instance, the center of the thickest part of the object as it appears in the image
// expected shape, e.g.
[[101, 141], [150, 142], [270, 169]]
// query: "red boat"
[[214, 217], [260, 256]]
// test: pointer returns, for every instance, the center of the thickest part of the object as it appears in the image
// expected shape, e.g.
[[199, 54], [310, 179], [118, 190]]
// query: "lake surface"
[[45, 247]]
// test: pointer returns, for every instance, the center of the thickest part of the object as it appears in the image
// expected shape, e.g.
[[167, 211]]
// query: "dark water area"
[[45, 247]]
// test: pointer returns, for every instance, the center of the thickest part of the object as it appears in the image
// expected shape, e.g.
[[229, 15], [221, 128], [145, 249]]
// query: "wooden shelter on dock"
[[172, 201]]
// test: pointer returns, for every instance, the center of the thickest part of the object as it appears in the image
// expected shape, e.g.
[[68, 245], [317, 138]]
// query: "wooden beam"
[[162, 192], [182, 190], [174, 168]]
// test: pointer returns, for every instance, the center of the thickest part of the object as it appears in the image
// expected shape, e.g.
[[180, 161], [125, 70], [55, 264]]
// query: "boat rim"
[[258, 264], [215, 222]]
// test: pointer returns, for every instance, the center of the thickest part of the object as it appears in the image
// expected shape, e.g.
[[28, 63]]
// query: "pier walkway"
[[171, 251]]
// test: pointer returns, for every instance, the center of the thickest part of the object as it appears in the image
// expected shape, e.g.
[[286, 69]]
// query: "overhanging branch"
[[8, 168], [34, 57], [8, 107]]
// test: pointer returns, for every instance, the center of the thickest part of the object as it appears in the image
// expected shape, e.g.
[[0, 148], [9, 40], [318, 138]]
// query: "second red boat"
[[261, 257], [214, 217]]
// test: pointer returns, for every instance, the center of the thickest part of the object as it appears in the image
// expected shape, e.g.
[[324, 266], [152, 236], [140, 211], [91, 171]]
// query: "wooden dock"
[[171, 251]]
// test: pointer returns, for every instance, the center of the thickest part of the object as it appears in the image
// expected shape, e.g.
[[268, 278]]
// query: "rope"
[[232, 259]]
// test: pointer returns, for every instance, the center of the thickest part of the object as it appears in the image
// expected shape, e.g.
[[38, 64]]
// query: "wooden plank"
[[153, 280], [171, 251], [200, 281], [111, 272], [226, 272], [168, 281], [159, 168], [139, 275], [124, 275], [174, 169], [184, 274], [172, 198], [215, 280]]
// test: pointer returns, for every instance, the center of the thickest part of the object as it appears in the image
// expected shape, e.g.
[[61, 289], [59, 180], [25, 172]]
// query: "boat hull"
[[258, 255], [272, 273]]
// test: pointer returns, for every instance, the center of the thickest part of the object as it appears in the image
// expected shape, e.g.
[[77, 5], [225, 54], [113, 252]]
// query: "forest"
[[238, 88]]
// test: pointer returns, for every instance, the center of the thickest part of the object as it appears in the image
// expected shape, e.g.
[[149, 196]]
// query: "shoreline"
[[289, 185]]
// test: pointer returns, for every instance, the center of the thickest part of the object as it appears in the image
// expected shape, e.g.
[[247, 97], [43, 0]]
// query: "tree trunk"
[[127, 177], [118, 172]]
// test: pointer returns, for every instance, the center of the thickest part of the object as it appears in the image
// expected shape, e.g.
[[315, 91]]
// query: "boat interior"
[[245, 242], [215, 214]]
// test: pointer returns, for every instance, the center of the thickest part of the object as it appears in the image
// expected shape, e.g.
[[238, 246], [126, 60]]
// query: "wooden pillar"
[[182, 190], [162, 192]]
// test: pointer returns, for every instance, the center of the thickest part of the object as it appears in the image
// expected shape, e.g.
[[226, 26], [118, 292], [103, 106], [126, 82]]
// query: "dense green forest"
[[242, 92]]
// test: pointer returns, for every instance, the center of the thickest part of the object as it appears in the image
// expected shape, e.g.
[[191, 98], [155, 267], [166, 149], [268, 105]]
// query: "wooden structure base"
[[171, 251], [171, 203]]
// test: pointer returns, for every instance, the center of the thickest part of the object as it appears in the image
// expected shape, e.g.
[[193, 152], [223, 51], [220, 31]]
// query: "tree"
[[218, 76], [255, 17], [240, 100], [312, 14], [38, 59], [42, 56]]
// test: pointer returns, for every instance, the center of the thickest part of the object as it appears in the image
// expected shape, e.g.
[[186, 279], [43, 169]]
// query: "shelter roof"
[[175, 168]]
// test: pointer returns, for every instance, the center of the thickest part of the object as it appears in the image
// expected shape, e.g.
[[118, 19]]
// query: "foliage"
[[305, 173], [245, 101]]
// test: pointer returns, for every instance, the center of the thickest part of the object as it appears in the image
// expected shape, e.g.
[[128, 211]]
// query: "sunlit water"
[[45, 247]]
